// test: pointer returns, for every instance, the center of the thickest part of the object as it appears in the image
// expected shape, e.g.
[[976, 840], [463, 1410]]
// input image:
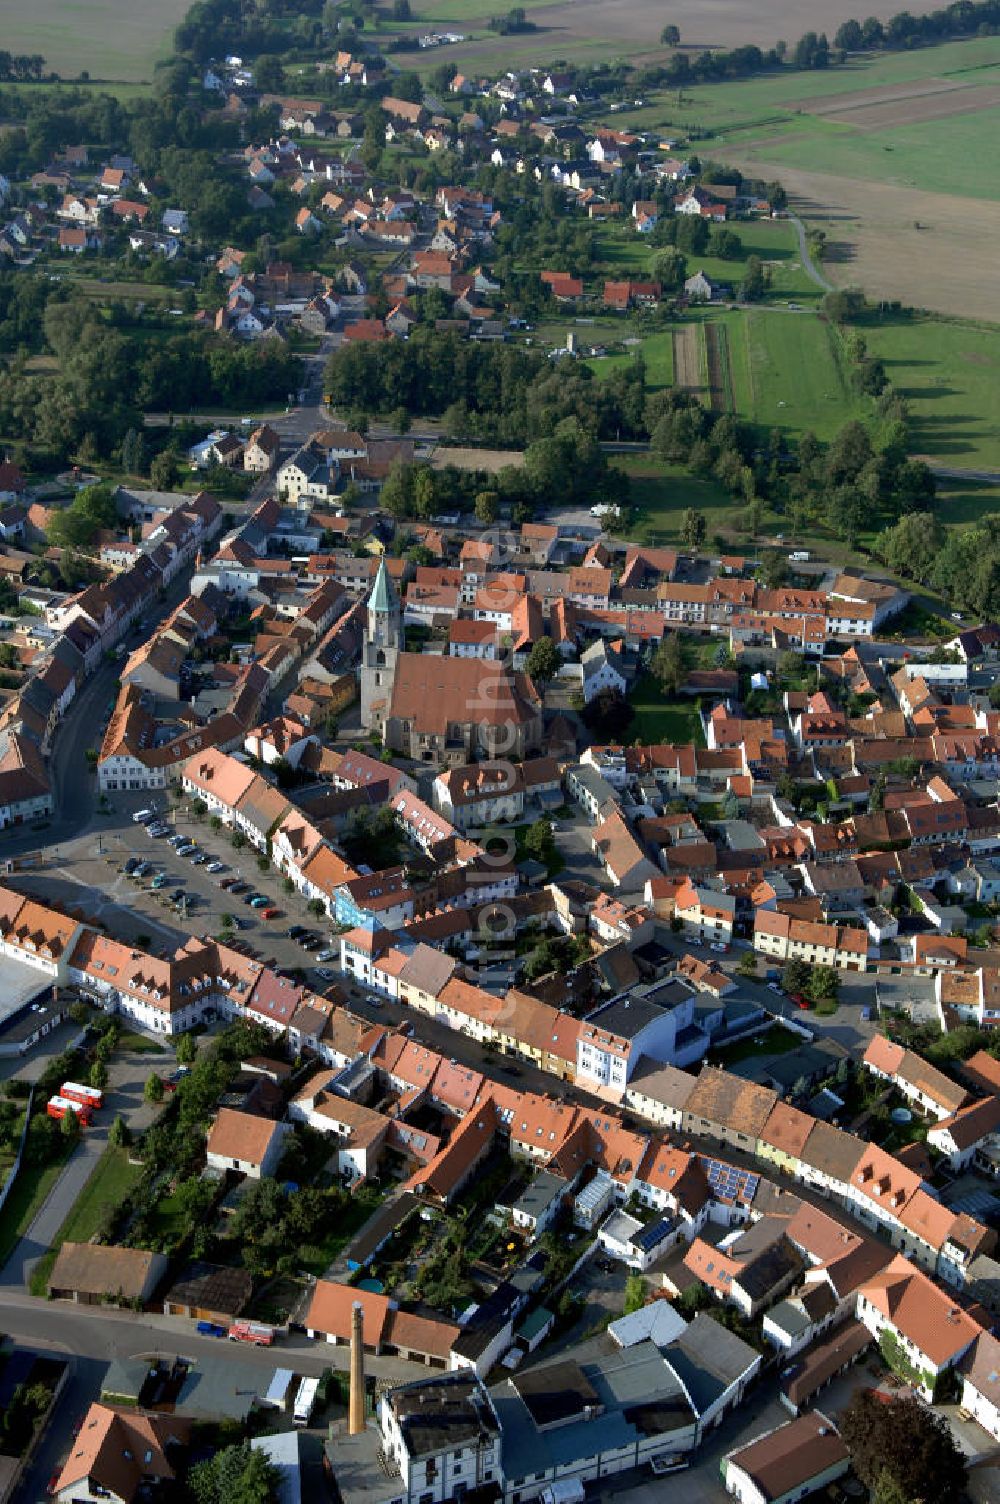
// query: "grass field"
[[961, 502], [140, 1043], [949, 372], [30, 1190], [946, 154], [661, 494], [620, 252], [788, 373], [117, 39], [658, 721], [658, 353], [774, 98]]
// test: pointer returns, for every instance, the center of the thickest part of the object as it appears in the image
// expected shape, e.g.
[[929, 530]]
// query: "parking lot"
[[174, 896]]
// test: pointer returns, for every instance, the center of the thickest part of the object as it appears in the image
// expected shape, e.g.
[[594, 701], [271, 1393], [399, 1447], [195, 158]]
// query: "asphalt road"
[[95, 1335]]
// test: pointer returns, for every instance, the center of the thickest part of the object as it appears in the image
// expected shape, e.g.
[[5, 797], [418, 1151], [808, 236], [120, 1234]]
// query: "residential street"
[[94, 1335]]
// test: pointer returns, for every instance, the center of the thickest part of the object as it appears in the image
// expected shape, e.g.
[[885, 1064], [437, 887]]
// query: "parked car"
[[238, 887], [270, 912], [295, 931], [325, 973], [156, 831], [717, 946], [214, 867], [177, 895], [227, 882], [211, 1329], [160, 880], [141, 816], [327, 954], [773, 987], [178, 840], [131, 864], [186, 849]]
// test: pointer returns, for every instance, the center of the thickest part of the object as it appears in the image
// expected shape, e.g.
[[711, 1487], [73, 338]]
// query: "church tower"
[[383, 643]]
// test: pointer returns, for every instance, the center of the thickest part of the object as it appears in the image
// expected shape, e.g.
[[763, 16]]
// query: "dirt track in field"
[[827, 104], [716, 354], [948, 264], [687, 358], [914, 109]]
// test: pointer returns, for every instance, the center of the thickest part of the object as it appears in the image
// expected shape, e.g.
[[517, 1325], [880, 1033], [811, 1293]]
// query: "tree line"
[[963, 565], [512, 396], [108, 377], [495, 393], [21, 66], [966, 18]]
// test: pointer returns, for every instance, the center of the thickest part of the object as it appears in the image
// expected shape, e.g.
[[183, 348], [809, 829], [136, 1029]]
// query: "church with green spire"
[[382, 646]]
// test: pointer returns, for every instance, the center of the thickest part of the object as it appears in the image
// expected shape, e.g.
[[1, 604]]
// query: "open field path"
[[899, 243], [811, 270]]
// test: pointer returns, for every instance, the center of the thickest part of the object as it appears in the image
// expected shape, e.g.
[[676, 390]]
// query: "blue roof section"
[[648, 1237], [729, 1182]]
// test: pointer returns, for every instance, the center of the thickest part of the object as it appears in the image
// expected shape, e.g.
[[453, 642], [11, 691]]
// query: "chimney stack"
[[356, 1411]]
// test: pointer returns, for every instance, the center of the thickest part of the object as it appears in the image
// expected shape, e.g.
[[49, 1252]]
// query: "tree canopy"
[[903, 1444]]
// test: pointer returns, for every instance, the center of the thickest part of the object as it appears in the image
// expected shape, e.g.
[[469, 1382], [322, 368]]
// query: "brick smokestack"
[[356, 1411]]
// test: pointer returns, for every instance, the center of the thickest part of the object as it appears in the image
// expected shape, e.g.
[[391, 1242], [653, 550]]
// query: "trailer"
[[251, 1331], [87, 1096], [58, 1107], [305, 1402], [281, 1390]]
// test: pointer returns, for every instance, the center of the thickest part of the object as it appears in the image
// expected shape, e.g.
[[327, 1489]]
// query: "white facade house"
[[440, 1463], [980, 1370], [244, 1142]]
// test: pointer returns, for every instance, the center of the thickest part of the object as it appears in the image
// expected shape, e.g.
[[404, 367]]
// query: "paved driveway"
[[126, 1079]]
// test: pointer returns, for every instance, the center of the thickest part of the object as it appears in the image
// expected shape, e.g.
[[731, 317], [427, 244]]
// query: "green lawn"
[[30, 1190], [495, 52], [316, 1259], [110, 1183], [140, 1043], [657, 352], [960, 503], [656, 720], [943, 155], [661, 493], [167, 1219], [112, 1179], [620, 252], [774, 1041], [788, 372], [949, 373]]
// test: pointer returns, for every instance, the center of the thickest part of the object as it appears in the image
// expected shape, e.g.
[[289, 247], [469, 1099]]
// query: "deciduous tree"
[[903, 1444]]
